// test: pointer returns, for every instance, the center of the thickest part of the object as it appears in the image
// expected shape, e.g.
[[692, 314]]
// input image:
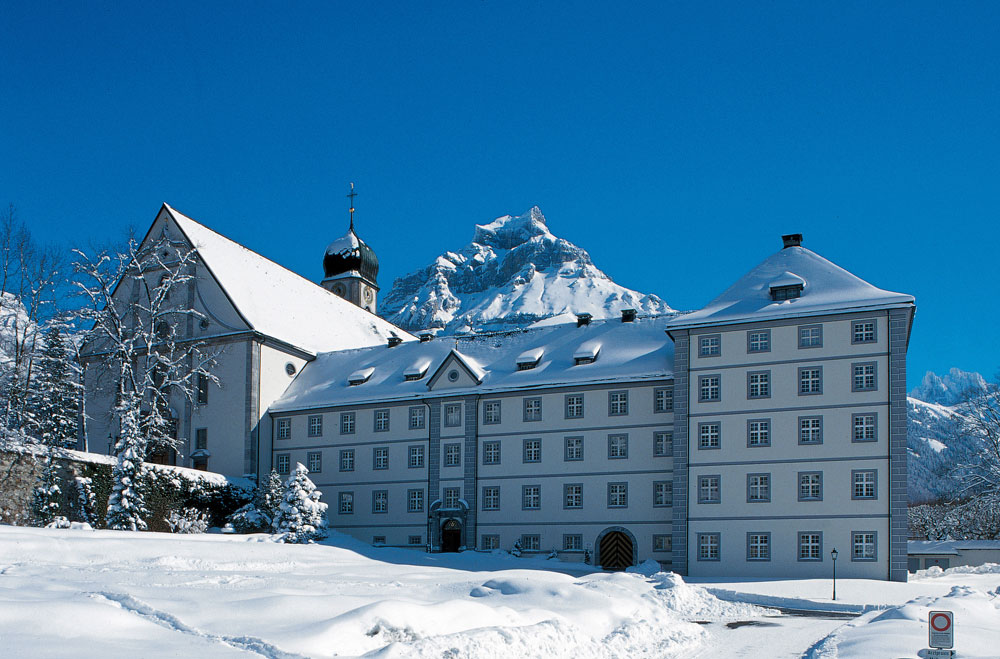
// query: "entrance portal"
[[615, 551], [451, 535]]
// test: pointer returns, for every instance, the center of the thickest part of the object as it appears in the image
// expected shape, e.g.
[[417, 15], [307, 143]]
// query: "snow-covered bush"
[[258, 515], [516, 550], [301, 516], [190, 520], [59, 522], [249, 519]]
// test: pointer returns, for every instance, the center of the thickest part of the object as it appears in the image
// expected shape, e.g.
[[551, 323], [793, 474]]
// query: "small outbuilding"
[[922, 554]]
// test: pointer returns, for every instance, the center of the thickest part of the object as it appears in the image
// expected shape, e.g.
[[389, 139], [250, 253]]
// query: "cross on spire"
[[352, 195]]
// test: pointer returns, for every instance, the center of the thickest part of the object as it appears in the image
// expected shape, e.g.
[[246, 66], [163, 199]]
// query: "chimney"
[[583, 319], [628, 315], [792, 240], [394, 341], [425, 337]]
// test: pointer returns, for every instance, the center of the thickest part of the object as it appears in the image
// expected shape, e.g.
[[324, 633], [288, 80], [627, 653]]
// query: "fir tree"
[[258, 515], [54, 400], [270, 494], [301, 514], [47, 493], [85, 503], [126, 505]]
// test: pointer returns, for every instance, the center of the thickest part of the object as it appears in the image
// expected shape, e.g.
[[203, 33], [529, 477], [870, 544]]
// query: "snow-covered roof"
[[279, 303], [635, 351], [827, 288], [532, 356], [949, 547]]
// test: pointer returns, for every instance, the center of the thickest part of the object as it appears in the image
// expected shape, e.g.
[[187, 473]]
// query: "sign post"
[[941, 631]]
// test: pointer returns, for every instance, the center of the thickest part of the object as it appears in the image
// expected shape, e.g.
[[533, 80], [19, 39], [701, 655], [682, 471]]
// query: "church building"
[[755, 436]]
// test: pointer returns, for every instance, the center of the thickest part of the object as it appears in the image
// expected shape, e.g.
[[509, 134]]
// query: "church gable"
[[456, 371]]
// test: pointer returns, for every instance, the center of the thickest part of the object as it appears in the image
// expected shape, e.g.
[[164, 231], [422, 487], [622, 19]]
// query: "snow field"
[[113, 594]]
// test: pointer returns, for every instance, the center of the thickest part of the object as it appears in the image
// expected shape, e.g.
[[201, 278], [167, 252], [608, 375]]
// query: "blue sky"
[[675, 142]]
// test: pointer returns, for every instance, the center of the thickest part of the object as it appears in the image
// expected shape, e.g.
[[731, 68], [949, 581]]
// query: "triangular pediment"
[[457, 371]]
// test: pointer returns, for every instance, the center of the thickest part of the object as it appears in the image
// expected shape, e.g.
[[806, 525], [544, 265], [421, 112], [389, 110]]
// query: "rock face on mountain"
[[950, 389], [513, 273]]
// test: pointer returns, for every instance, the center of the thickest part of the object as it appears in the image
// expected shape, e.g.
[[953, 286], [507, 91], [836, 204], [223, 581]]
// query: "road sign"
[[941, 629], [938, 654]]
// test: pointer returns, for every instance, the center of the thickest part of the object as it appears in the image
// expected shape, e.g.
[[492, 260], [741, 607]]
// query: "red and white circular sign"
[[940, 621]]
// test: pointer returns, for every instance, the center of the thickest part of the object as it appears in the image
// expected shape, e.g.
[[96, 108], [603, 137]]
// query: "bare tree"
[[139, 339], [977, 464]]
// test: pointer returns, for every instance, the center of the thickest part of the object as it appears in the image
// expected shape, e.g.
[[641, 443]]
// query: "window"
[[708, 546], [617, 403], [530, 542], [758, 546], [380, 458], [572, 542], [201, 439], [617, 495], [811, 546], [864, 484], [532, 409], [346, 503], [663, 493], [491, 453], [781, 293], [864, 427], [283, 428], [314, 462], [663, 399], [810, 486], [378, 540], [381, 420], [415, 501], [347, 459], [811, 336], [573, 495], [709, 435], [863, 331], [759, 384], [380, 501], [531, 497], [532, 450], [663, 542], [708, 489], [491, 412], [863, 546], [415, 540], [452, 455], [281, 463], [758, 488], [202, 389], [574, 449], [710, 345], [810, 430], [810, 380], [759, 341], [316, 425], [864, 377], [574, 406], [451, 497], [489, 542], [758, 432], [417, 418], [453, 415], [663, 444], [491, 497], [617, 447], [709, 388], [347, 423], [416, 457]]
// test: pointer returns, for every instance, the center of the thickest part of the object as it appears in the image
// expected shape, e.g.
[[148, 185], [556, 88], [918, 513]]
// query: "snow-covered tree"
[[47, 493], [53, 399], [517, 550], [187, 521], [84, 504], [145, 352], [301, 516], [258, 515]]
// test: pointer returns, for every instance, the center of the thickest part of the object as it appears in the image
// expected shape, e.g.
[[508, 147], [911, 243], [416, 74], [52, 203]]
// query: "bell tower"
[[350, 267]]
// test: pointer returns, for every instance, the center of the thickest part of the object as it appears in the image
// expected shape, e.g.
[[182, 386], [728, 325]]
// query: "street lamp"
[[833, 555]]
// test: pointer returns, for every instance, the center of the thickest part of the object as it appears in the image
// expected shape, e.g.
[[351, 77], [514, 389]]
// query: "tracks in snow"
[[168, 621]]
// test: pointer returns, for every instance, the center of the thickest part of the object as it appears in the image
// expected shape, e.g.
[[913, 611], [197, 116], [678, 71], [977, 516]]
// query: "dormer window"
[[360, 376], [529, 359], [416, 371], [788, 286], [587, 353]]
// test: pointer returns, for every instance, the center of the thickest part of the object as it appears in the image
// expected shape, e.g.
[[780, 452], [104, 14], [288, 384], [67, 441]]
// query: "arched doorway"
[[615, 549], [451, 535]]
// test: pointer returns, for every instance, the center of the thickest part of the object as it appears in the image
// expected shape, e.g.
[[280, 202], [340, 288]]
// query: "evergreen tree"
[[258, 515], [126, 505], [47, 493], [301, 516], [85, 503], [54, 400], [270, 494]]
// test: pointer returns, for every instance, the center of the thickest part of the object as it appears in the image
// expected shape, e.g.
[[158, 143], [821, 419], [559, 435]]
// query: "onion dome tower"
[[350, 268]]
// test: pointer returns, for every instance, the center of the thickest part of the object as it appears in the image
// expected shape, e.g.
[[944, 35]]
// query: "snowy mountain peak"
[[949, 389], [514, 272]]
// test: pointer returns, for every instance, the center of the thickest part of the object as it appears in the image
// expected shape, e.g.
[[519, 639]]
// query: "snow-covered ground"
[[116, 594]]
